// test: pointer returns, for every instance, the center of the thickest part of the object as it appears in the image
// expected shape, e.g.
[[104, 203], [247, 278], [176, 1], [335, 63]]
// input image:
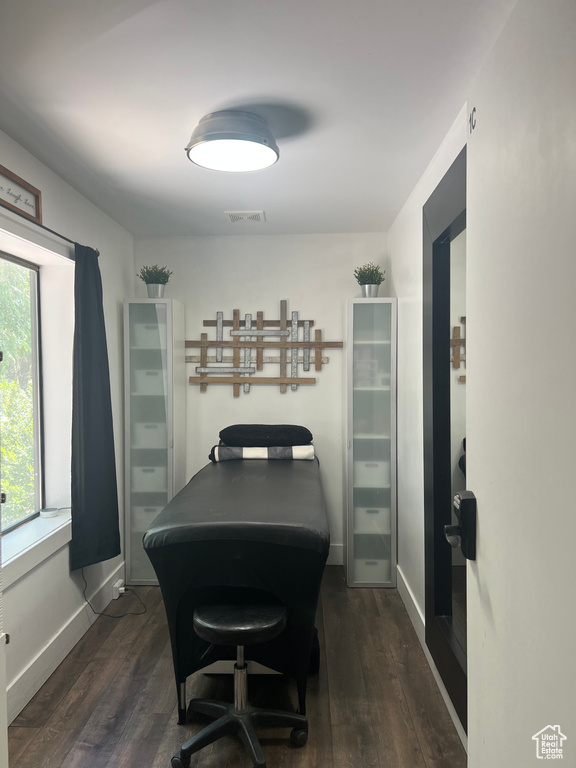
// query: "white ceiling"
[[358, 94]]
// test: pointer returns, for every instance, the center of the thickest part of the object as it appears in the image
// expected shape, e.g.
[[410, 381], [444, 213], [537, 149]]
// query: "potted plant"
[[369, 276], [155, 278]]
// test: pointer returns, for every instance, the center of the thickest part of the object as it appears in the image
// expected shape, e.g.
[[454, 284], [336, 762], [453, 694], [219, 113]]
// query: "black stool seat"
[[239, 625]]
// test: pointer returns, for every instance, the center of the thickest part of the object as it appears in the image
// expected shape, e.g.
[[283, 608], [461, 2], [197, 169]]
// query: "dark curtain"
[[95, 526]]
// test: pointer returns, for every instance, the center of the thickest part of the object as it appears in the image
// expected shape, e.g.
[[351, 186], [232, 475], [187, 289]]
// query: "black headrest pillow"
[[263, 435]]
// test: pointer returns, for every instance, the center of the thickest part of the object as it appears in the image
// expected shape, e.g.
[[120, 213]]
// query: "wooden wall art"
[[239, 359], [458, 347]]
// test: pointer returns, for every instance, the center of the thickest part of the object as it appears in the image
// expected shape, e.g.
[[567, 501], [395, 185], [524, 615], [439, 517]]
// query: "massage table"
[[244, 531]]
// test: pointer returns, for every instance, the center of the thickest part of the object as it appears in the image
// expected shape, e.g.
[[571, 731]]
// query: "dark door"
[[444, 218]]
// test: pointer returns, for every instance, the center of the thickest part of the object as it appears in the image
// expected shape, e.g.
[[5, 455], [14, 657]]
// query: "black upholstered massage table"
[[243, 531]]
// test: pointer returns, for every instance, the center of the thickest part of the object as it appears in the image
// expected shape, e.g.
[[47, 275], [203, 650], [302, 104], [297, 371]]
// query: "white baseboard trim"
[[336, 555], [418, 621], [34, 675]]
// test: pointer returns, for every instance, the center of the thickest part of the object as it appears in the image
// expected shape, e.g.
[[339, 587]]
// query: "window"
[[20, 423]]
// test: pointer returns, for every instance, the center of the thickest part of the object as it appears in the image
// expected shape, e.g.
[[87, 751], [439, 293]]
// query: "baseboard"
[[419, 623], [336, 554], [35, 674], [412, 607]]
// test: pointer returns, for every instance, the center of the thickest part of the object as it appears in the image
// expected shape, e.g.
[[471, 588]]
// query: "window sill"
[[26, 547]]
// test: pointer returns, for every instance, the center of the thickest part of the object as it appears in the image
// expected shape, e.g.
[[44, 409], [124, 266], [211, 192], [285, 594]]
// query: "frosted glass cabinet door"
[[150, 389], [370, 550]]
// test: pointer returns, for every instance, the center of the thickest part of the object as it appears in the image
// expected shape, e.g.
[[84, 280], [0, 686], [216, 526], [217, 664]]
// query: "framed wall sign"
[[17, 195]]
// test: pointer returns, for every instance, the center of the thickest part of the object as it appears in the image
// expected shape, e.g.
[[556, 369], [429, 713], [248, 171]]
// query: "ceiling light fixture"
[[232, 141]]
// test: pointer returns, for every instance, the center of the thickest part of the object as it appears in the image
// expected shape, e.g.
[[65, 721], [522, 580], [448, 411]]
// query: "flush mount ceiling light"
[[232, 141]]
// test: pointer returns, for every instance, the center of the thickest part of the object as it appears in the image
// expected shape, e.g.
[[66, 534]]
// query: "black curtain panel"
[[95, 526]]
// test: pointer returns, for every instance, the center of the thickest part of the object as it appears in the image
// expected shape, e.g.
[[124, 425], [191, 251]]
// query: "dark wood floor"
[[374, 704]]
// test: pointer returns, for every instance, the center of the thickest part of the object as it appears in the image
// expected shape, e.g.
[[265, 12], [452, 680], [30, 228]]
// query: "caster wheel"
[[180, 762], [299, 737]]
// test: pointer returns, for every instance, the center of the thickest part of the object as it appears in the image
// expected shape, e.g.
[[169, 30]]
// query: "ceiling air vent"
[[236, 216]]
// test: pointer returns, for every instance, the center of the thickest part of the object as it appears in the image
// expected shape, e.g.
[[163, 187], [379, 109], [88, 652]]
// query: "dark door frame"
[[444, 218]]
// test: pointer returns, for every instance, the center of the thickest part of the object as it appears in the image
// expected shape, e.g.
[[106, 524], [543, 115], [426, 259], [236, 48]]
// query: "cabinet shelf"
[[147, 394], [369, 436]]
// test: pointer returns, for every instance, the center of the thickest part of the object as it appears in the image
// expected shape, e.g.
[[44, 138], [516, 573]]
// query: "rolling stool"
[[239, 626]]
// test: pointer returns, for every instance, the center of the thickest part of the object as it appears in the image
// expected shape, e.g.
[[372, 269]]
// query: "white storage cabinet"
[[155, 382], [370, 510]]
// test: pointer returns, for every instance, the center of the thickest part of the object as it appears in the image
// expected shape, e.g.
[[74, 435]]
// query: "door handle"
[[464, 534], [453, 535]]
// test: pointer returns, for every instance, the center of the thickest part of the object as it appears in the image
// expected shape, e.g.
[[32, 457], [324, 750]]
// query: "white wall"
[[315, 274], [44, 610], [521, 422], [405, 251], [521, 388]]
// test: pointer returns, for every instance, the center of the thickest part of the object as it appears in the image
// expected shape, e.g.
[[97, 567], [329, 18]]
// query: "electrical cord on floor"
[[110, 615]]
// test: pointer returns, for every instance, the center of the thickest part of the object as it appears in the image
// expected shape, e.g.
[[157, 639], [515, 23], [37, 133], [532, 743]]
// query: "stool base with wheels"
[[239, 626]]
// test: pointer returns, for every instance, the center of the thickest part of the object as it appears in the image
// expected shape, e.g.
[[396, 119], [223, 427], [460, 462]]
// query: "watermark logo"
[[549, 743]]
